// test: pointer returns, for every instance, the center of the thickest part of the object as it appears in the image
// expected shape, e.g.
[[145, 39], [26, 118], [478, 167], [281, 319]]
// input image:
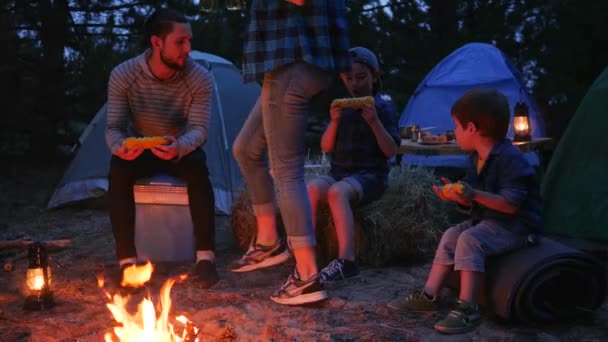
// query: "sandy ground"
[[237, 308]]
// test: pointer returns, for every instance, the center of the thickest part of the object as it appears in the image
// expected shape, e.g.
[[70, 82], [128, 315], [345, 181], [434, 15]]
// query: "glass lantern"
[[521, 122], [38, 279]]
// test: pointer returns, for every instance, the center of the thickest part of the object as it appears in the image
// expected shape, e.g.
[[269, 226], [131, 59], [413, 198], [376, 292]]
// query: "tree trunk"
[[444, 19], [8, 65], [470, 23], [54, 16]]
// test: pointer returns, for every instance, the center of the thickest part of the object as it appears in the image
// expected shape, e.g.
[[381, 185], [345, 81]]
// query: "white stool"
[[163, 226]]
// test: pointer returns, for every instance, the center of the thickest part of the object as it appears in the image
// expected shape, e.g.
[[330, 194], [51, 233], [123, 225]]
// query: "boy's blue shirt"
[[507, 173], [356, 148]]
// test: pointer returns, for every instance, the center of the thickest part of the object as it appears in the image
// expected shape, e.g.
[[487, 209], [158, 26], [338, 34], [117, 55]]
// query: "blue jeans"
[[466, 245], [277, 125]]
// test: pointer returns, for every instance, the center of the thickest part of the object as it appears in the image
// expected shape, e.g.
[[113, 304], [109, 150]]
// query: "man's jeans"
[[277, 124], [191, 168]]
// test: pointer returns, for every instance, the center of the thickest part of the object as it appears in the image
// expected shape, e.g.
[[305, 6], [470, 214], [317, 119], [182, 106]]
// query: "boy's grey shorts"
[[466, 245]]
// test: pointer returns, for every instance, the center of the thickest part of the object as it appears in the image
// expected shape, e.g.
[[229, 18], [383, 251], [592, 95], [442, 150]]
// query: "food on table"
[[428, 137]]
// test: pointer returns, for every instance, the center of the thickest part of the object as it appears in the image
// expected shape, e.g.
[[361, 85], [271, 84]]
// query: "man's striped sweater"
[[139, 104]]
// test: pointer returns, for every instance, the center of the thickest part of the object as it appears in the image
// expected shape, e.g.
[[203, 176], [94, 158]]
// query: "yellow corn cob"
[[145, 142], [355, 102], [457, 187]]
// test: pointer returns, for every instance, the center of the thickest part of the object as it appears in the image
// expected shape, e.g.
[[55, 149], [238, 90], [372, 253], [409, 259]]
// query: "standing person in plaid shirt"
[[360, 142], [297, 47]]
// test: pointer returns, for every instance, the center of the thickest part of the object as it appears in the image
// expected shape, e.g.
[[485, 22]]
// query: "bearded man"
[[161, 93]]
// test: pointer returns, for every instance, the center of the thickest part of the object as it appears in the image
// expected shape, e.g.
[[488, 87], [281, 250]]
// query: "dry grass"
[[407, 222]]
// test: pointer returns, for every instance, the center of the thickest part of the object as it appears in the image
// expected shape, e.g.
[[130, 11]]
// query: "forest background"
[[58, 54]]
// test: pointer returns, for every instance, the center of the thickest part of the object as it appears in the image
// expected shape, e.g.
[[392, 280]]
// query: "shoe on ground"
[[297, 292], [258, 256], [415, 302], [338, 270], [464, 318], [207, 274]]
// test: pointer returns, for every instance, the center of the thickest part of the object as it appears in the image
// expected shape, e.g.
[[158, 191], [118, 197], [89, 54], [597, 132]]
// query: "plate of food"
[[429, 139], [435, 142]]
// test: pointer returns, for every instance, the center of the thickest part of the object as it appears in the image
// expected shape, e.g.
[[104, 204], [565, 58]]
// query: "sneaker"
[[258, 256], [207, 273], [464, 318], [338, 270], [420, 302], [296, 292]]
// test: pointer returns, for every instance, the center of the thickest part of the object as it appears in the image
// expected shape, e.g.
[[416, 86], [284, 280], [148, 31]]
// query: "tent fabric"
[[472, 65], [86, 176], [574, 187]]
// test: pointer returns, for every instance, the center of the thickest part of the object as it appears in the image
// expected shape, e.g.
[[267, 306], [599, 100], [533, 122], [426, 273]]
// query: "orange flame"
[[137, 276], [144, 325]]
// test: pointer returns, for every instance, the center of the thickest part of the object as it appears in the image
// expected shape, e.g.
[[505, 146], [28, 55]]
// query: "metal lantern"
[[521, 122], [38, 279]]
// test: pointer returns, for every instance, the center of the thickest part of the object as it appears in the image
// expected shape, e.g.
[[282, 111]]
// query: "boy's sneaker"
[[338, 270], [297, 292], [207, 273], [464, 318], [258, 256], [415, 302]]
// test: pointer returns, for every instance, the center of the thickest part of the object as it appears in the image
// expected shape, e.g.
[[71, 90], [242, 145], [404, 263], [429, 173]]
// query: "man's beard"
[[171, 64]]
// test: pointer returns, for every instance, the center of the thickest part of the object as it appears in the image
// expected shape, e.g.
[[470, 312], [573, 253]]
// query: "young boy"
[[360, 142], [501, 193]]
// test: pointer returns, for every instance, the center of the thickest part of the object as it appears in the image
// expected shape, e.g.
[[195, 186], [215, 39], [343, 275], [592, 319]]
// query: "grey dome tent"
[[86, 176]]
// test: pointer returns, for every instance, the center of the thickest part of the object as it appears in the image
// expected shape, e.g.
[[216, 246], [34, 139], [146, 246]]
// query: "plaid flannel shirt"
[[280, 33]]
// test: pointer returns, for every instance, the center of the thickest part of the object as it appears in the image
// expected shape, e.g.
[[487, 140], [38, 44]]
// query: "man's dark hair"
[[488, 109], [160, 23]]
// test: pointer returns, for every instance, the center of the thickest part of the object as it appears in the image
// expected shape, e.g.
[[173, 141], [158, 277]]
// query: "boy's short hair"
[[160, 23], [488, 109]]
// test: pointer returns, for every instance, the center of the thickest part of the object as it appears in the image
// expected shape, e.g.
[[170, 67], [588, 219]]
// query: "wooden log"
[[24, 244]]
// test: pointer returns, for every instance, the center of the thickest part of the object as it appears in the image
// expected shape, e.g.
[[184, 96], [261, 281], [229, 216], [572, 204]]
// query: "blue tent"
[[472, 65]]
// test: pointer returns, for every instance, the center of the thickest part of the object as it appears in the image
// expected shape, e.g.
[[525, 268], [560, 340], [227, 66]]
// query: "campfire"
[[146, 324]]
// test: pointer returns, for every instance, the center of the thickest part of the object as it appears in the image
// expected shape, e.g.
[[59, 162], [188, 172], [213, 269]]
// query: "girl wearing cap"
[[359, 142]]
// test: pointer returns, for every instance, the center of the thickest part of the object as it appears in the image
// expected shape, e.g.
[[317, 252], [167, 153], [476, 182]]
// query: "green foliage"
[[557, 44]]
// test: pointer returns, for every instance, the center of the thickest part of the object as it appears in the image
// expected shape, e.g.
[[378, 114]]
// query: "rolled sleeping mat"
[[545, 282]]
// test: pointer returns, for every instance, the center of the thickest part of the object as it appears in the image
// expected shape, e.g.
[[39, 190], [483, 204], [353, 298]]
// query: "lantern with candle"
[[521, 122], [38, 279]]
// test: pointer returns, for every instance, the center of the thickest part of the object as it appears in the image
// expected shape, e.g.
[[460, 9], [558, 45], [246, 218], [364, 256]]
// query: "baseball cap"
[[362, 55]]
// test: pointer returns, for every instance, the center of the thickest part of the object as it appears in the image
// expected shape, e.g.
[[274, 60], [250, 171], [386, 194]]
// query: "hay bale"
[[242, 219], [327, 240], [405, 224]]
